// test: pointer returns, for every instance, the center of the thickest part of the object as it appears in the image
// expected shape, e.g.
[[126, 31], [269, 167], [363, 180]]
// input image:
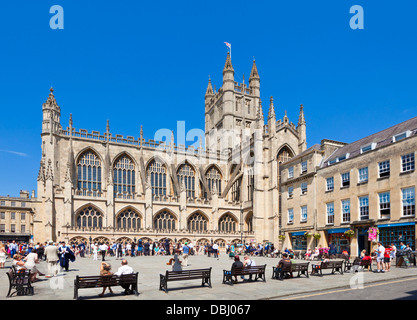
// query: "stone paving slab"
[[149, 268]]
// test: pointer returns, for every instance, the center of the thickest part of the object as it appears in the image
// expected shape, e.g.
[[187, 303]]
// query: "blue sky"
[[147, 63]]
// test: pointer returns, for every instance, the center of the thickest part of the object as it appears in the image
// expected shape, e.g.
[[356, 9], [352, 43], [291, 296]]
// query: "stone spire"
[[254, 75], [271, 113], [301, 119], [286, 117], [209, 91], [228, 65]]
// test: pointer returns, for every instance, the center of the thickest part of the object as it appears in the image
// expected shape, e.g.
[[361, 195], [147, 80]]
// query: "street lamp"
[[241, 223]]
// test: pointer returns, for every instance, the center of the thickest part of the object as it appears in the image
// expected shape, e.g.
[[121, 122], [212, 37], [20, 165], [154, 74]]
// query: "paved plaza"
[[149, 268]]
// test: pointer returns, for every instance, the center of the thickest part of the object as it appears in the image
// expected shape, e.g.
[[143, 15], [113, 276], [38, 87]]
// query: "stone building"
[[16, 217], [370, 183], [107, 187]]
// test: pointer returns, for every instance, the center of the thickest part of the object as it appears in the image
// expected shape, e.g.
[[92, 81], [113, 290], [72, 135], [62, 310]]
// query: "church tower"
[[232, 110]]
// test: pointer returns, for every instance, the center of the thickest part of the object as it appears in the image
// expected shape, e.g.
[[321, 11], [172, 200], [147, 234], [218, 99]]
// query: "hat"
[[186, 242], [237, 258]]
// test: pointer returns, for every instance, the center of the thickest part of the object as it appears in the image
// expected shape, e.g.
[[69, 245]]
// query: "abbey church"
[[254, 181], [109, 187]]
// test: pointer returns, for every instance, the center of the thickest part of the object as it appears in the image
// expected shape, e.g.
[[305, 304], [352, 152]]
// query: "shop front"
[[338, 239], [298, 240], [396, 233]]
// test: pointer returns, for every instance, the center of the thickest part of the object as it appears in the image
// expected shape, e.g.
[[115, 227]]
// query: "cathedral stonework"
[[109, 187]]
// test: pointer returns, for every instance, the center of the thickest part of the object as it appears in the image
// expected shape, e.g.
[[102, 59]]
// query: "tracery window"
[[89, 217], [158, 178], [186, 175], [128, 219], [124, 178], [89, 174], [284, 155], [227, 224], [164, 221], [214, 179], [197, 222]]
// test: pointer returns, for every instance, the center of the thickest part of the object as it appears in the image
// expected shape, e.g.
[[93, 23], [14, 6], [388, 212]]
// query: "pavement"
[[61, 287]]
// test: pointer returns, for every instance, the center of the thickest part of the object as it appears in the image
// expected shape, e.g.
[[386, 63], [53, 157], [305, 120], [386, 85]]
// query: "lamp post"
[[90, 243], [241, 223]]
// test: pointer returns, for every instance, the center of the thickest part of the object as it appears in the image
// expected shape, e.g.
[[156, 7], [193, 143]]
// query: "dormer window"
[[401, 136], [369, 147]]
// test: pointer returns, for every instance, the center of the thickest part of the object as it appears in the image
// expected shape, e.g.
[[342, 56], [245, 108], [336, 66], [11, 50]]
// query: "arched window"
[[128, 219], [89, 217], [124, 178], [227, 224], [197, 222], [164, 220], [284, 155], [158, 178], [89, 174], [249, 222], [186, 175], [214, 179]]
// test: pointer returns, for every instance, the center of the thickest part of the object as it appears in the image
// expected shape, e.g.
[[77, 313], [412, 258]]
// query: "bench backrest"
[[188, 274], [99, 281], [248, 270]]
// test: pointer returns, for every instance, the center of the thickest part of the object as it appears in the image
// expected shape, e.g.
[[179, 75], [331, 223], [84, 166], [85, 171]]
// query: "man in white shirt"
[[125, 269], [380, 258], [103, 250], [248, 262], [216, 250]]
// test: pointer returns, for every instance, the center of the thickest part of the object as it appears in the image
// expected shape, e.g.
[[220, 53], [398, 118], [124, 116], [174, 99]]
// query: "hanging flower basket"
[[372, 234], [307, 234], [349, 233], [317, 236], [281, 237]]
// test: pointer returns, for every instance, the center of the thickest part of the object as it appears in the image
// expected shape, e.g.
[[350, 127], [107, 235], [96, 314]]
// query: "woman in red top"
[[387, 258]]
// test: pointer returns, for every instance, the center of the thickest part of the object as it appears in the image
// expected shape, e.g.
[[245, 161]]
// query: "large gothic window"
[[284, 155], [89, 174], [128, 219], [124, 178], [164, 221], [186, 175], [214, 179], [89, 217], [227, 224], [157, 174], [197, 222]]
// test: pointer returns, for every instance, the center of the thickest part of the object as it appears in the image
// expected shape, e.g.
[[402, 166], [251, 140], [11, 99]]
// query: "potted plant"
[[281, 237], [317, 236], [349, 233], [307, 234]]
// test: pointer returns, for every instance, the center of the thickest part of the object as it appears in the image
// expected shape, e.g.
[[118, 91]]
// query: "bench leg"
[[163, 284]]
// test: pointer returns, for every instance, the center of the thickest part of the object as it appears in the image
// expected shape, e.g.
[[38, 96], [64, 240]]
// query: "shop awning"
[[298, 233], [396, 224], [338, 230]]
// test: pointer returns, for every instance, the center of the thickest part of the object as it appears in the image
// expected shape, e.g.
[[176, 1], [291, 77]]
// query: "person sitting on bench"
[[284, 263]]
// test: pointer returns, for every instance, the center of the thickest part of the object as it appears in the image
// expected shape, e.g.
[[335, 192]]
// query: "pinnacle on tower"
[[301, 119], [209, 90], [228, 65], [254, 75], [271, 113]]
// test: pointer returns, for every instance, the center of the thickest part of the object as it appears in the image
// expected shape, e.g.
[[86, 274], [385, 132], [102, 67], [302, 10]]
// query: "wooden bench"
[[203, 274], [85, 282], [258, 271], [19, 280], [301, 269], [336, 266]]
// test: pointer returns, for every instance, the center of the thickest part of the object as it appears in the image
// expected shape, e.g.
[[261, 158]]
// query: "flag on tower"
[[229, 45]]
